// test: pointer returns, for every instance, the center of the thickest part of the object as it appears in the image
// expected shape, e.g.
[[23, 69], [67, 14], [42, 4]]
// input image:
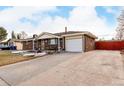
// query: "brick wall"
[[89, 43], [27, 45]]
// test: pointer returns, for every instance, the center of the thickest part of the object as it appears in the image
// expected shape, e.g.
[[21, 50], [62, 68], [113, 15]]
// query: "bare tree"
[[120, 28], [23, 35]]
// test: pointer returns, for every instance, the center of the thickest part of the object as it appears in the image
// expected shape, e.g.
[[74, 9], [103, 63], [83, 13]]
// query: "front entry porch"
[[49, 42], [52, 44]]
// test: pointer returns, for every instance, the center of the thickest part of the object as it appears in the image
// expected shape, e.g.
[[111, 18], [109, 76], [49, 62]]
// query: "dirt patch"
[[6, 57]]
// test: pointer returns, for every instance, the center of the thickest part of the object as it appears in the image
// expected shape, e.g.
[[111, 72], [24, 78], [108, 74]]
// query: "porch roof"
[[46, 35]]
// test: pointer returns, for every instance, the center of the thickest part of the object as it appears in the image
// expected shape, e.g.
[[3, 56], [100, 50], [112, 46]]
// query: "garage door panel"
[[74, 45]]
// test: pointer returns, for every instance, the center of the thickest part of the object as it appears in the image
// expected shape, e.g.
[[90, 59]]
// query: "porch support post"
[[37, 44], [58, 44], [33, 44]]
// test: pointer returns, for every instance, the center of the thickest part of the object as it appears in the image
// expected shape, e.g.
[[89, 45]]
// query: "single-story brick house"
[[71, 41]]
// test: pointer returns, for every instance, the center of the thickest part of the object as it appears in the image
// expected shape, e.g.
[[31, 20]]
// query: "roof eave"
[[92, 36]]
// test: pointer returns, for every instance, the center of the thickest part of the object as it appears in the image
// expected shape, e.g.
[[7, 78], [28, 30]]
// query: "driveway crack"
[[5, 81]]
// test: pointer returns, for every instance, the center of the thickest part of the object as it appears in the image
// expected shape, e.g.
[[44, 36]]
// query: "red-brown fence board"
[[109, 45]]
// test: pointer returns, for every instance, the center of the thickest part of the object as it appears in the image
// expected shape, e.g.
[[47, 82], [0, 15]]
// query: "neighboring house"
[[22, 44], [4, 43], [71, 41], [18, 43]]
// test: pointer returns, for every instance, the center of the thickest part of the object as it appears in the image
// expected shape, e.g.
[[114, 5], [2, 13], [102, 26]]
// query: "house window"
[[53, 41]]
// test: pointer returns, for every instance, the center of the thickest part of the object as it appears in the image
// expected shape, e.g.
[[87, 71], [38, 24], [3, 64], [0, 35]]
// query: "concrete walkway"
[[91, 68]]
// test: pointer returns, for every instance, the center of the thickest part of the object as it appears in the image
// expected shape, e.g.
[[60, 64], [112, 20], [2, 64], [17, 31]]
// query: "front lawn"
[[6, 57]]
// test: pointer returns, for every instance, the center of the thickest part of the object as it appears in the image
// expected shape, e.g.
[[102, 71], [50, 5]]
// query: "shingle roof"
[[76, 32], [47, 33], [69, 32], [19, 40]]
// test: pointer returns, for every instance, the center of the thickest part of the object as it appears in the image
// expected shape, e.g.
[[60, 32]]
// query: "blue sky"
[[111, 18], [28, 18], [4, 7], [64, 12]]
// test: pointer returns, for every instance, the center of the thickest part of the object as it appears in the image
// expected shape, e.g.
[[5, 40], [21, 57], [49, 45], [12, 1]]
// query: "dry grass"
[[6, 57]]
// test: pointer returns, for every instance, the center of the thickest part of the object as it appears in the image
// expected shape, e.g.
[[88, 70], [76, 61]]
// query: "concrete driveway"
[[91, 68], [20, 72]]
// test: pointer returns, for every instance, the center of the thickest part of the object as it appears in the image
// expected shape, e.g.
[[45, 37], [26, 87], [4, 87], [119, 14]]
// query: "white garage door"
[[74, 45]]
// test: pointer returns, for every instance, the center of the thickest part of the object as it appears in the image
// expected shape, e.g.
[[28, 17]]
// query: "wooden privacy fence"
[[109, 45]]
